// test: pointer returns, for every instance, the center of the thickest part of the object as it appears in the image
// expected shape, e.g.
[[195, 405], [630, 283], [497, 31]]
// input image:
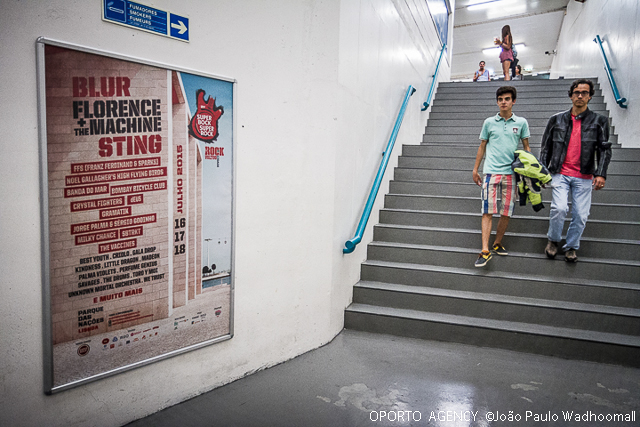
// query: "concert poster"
[[137, 187]]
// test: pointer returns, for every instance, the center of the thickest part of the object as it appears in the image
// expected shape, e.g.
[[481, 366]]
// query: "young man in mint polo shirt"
[[499, 140]]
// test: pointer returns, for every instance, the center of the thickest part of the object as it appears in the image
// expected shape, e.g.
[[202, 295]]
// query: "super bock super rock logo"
[[204, 123]]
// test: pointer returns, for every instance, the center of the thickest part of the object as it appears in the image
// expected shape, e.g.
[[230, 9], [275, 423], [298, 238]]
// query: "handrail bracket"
[[619, 99]]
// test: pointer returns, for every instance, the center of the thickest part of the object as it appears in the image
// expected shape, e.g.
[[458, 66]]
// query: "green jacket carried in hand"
[[530, 176]]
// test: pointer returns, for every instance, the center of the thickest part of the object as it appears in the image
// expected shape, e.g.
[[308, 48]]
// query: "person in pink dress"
[[506, 56]]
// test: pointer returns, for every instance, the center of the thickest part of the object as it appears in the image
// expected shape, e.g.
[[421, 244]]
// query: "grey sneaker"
[[551, 250], [571, 256]]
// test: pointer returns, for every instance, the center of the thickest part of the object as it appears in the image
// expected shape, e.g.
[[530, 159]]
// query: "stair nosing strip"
[[469, 184], [436, 196], [500, 325], [412, 181], [527, 217], [457, 170], [500, 298], [610, 261], [508, 233], [463, 144], [501, 275], [420, 156]]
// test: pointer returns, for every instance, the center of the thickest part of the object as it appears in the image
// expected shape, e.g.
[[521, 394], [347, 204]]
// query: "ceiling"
[[536, 23]]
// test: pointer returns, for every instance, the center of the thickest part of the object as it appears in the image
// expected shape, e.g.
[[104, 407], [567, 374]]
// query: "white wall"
[[319, 86], [618, 24]]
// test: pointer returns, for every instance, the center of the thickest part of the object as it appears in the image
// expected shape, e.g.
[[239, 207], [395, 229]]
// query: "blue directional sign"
[[146, 18], [179, 27]]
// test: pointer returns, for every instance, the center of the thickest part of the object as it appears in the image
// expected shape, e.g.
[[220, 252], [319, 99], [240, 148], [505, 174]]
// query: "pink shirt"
[[571, 165]]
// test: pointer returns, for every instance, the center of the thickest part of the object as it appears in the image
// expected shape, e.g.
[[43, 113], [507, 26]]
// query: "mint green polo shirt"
[[503, 137]]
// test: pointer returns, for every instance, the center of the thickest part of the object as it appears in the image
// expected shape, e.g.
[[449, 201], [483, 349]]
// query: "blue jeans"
[[580, 191]]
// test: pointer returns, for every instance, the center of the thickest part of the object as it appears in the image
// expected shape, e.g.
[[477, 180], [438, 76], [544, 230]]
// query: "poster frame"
[[47, 337], [442, 31]]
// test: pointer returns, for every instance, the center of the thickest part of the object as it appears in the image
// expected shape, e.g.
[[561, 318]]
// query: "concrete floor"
[[363, 379]]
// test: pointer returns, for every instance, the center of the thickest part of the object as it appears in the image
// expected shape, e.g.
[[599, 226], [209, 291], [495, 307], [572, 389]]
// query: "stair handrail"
[[619, 99], [433, 82], [350, 245]]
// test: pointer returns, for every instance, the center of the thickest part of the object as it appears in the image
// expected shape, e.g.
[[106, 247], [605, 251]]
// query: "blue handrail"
[[350, 245], [433, 83], [619, 99]]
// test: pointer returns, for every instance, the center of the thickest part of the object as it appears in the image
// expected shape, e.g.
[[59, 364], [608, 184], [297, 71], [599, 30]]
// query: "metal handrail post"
[[350, 245], [433, 82], [619, 99]]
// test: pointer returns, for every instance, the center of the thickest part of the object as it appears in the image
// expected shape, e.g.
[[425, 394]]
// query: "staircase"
[[419, 279]]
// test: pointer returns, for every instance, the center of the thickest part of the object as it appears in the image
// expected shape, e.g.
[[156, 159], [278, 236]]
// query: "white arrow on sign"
[[180, 26]]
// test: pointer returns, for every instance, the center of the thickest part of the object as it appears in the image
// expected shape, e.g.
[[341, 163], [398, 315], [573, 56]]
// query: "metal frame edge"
[[49, 388]]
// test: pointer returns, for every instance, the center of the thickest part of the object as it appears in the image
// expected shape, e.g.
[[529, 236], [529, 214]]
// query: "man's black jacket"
[[595, 142]]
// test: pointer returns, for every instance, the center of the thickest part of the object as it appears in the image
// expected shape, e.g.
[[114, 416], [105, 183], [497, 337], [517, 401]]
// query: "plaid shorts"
[[493, 183]]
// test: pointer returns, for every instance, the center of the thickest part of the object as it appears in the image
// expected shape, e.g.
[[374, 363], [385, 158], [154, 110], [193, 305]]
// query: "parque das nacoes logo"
[[204, 123]]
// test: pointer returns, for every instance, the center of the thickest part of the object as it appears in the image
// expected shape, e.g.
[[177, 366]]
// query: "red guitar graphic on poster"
[[204, 123]]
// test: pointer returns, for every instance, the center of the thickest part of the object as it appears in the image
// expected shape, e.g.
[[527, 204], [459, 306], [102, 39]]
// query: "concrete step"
[[490, 108], [524, 91], [520, 223], [548, 340], [472, 279], [471, 189], [614, 181], [473, 138], [522, 95], [531, 242], [453, 123], [468, 150], [559, 84], [462, 117], [601, 211], [450, 204], [616, 166], [516, 262], [437, 125], [471, 130], [563, 314], [490, 101], [522, 88]]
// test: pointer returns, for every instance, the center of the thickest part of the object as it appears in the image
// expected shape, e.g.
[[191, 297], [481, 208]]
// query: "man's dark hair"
[[481, 62], [582, 82], [506, 89]]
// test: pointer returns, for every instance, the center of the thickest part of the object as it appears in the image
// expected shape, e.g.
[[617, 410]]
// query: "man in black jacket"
[[572, 143]]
